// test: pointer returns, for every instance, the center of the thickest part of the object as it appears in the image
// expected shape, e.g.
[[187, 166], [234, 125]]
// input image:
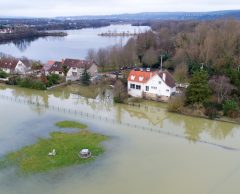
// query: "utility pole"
[[161, 67]]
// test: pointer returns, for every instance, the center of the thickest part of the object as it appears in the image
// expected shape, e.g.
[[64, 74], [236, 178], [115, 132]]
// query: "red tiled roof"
[[51, 62], [140, 76], [145, 76]]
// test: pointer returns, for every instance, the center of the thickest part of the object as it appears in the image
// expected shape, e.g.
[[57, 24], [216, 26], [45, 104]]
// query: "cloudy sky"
[[51, 8]]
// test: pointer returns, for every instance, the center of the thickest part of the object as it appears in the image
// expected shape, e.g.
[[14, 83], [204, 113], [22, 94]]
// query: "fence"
[[110, 120]]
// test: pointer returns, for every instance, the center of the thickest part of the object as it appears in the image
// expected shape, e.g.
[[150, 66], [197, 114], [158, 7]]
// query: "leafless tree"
[[221, 86], [150, 57]]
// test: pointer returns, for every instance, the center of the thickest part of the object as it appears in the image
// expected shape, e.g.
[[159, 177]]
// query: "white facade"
[[21, 68], [6, 70], [153, 88], [75, 73]]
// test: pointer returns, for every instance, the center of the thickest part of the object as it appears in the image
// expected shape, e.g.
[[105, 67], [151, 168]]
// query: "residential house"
[[76, 68], [47, 67], [56, 68], [14, 66], [156, 85]]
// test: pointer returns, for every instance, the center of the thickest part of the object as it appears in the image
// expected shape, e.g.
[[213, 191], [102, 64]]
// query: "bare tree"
[[91, 55], [150, 57], [120, 92], [221, 86], [181, 72], [102, 58]]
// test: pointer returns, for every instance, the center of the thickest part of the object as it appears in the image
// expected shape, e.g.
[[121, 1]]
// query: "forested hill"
[[166, 16]]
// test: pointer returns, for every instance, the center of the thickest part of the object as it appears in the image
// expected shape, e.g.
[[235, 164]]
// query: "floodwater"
[[75, 45], [149, 150]]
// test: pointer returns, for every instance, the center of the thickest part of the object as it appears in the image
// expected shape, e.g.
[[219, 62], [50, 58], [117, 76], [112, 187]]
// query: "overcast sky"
[[51, 8]]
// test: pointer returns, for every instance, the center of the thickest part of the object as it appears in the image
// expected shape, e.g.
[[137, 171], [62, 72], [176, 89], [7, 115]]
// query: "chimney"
[[164, 77], [63, 61]]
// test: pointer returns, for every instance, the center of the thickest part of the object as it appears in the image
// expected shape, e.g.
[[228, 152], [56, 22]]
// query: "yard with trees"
[[203, 53]]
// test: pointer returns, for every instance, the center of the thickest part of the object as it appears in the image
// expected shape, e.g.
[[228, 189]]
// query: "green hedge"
[[3, 74]]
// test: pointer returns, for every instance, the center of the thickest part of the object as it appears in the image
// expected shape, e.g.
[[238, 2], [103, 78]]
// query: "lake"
[[75, 45], [149, 151]]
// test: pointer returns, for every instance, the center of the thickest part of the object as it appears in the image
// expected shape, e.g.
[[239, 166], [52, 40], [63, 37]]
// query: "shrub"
[[52, 79], [120, 92], [176, 104], [117, 99], [30, 83], [230, 108], [13, 80], [211, 112], [3, 74]]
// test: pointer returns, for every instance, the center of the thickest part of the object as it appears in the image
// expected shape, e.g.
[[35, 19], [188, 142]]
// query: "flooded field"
[[149, 150]]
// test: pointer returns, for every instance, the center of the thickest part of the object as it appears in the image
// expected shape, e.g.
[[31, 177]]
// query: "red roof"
[[145, 76], [140, 76], [51, 62]]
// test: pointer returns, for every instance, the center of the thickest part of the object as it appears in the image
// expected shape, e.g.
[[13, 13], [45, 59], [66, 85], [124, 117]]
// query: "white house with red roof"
[[151, 84]]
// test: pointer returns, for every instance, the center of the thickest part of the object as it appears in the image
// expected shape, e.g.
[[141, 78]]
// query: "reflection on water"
[[75, 45], [149, 151], [75, 97]]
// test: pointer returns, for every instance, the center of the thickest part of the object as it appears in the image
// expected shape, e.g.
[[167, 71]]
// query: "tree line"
[[192, 50]]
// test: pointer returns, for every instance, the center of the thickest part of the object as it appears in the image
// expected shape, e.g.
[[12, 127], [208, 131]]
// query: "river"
[[75, 45], [149, 150]]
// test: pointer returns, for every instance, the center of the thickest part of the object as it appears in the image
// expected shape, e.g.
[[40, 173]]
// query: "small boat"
[[85, 153]]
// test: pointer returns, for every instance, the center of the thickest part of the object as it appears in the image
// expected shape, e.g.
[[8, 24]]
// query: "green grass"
[[71, 124], [34, 158]]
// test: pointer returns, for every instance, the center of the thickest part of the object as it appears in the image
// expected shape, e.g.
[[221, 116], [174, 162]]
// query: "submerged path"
[[110, 120]]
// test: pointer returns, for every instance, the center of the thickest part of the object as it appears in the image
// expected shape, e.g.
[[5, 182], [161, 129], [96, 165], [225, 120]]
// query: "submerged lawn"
[[34, 158], [71, 124]]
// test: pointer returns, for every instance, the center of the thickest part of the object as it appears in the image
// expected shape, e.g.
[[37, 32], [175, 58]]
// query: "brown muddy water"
[[150, 151]]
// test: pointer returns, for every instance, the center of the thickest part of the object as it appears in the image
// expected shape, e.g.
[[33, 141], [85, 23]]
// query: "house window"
[[138, 87], [147, 88], [159, 82], [60, 72], [167, 90], [74, 73], [154, 88], [132, 86]]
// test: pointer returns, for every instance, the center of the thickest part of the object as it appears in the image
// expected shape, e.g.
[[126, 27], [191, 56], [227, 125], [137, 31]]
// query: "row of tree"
[[206, 53]]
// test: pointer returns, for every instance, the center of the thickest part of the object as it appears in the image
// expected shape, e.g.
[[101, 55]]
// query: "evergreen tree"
[[85, 78], [198, 90]]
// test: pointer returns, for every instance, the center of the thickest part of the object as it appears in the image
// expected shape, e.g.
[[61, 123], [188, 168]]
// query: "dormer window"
[[133, 77], [141, 79]]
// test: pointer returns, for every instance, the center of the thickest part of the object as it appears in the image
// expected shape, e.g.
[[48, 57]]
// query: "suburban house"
[[156, 85], [14, 66], [55, 68], [47, 66], [75, 68]]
